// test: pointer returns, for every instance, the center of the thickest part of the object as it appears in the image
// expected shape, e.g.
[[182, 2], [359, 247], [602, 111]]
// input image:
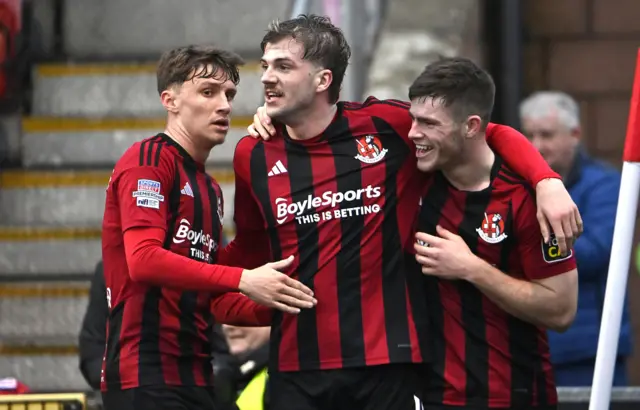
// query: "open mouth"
[[423, 150], [221, 123], [271, 96]]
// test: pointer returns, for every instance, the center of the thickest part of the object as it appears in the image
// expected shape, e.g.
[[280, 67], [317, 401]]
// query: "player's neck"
[[473, 171], [312, 122], [198, 152]]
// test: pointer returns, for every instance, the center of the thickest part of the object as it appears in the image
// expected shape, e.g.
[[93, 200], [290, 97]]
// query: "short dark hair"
[[324, 44], [185, 63], [460, 84]]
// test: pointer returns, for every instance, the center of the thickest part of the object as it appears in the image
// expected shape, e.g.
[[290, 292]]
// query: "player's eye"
[[207, 92], [231, 96]]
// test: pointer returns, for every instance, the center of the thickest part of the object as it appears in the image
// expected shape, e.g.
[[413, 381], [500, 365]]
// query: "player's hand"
[[558, 214], [269, 287], [446, 256], [262, 126]]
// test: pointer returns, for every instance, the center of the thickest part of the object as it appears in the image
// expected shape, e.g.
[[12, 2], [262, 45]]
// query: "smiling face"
[[291, 84], [439, 139], [556, 142], [202, 105]]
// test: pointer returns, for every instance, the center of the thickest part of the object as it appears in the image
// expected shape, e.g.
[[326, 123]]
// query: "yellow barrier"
[[58, 401]]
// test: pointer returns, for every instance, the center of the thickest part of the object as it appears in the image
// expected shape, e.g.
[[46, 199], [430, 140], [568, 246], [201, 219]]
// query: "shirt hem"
[[340, 364]]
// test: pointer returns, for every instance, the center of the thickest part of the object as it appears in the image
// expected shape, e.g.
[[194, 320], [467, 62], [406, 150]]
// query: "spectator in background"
[[250, 347], [552, 121], [93, 332]]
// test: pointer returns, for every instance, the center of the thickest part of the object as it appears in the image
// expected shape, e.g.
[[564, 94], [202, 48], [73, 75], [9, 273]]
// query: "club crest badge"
[[492, 228], [370, 149]]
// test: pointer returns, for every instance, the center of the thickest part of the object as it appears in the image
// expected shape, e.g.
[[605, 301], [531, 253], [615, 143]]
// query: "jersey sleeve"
[[519, 154], [539, 260], [142, 194], [393, 112], [250, 247], [236, 309]]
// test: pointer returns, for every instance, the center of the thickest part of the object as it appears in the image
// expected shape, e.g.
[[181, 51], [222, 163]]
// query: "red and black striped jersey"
[[159, 335], [344, 204], [483, 356]]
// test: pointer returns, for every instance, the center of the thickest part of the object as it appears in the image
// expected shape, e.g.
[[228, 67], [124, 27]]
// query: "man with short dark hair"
[[166, 280], [337, 186], [493, 285]]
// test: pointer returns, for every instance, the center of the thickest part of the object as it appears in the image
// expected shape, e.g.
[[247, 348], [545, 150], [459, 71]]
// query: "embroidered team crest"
[[492, 228], [370, 149]]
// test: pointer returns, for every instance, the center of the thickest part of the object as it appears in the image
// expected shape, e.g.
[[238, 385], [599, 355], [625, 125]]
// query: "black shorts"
[[384, 387], [160, 398]]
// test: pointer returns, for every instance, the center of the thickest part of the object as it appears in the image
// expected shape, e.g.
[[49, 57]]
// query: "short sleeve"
[[539, 260], [142, 197], [393, 112]]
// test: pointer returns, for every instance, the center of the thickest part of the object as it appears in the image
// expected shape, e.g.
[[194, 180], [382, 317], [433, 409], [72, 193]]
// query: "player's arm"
[[238, 310], [393, 112], [144, 231], [143, 193], [557, 213], [519, 154], [250, 247], [549, 302], [547, 293], [150, 263]]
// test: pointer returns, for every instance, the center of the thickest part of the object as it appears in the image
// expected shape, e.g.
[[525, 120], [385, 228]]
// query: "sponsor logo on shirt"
[[305, 211], [185, 233], [148, 203], [551, 251]]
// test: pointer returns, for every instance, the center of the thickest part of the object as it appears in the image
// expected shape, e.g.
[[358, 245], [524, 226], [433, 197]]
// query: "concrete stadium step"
[[54, 368], [85, 142], [118, 90], [69, 199], [35, 252], [49, 313], [116, 27]]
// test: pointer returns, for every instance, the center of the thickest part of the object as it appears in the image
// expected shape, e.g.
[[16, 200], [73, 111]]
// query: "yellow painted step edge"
[[21, 350], [57, 291], [42, 400], [19, 234], [58, 179], [62, 124], [59, 70], [24, 234]]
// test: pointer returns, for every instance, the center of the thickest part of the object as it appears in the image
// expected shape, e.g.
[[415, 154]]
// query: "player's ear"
[[323, 80], [473, 126], [168, 99]]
